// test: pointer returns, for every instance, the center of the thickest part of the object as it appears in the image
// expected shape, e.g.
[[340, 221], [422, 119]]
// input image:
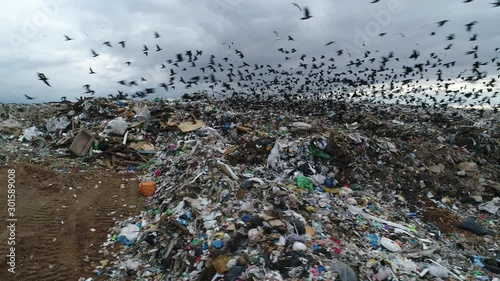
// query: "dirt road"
[[56, 218]]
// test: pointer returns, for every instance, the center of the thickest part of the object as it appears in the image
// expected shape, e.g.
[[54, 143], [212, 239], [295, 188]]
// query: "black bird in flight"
[[374, 1], [297, 5], [28, 97], [127, 63], [67, 38], [88, 90], [470, 25], [163, 85], [158, 48], [107, 43], [290, 38], [91, 71], [122, 43], [441, 23], [496, 4], [307, 14], [42, 77], [415, 54], [329, 43], [157, 35], [94, 54]]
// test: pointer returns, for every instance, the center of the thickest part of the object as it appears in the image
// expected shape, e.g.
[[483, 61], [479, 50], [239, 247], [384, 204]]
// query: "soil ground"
[[56, 217]]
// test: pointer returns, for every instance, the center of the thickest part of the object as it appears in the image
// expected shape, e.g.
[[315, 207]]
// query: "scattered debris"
[[234, 194]]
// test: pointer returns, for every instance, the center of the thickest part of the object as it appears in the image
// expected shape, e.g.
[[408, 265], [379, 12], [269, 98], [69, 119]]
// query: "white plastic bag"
[[30, 133], [142, 113], [117, 126], [131, 232], [438, 271], [55, 124], [274, 156], [491, 207]]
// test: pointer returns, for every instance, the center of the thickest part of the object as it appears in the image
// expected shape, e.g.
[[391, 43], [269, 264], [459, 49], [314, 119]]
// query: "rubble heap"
[[306, 190]]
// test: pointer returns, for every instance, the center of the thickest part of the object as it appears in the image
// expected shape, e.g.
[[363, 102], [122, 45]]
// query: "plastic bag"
[[319, 153], [117, 126], [234, 273], [142, 113], [54, 124], [132, 264], [346, 273], [305, 182], [439, 272], [491, 207], [131, 232], [471, 225], [373, 240], [11, 123], [384, 144], [30, 133], [382, 274], [274, 156]]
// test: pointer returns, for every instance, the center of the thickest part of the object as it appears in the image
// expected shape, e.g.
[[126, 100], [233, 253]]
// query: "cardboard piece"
[[190, 126], [82, 143], [142, 146]]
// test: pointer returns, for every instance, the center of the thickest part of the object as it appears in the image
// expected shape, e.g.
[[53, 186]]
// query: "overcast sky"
[[33, 37]]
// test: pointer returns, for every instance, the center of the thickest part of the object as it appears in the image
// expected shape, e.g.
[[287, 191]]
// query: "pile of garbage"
[[304, 190], [361, 192], [118, 134]]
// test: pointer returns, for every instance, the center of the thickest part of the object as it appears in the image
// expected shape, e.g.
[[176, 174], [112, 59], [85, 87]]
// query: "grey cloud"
[[205, 25]]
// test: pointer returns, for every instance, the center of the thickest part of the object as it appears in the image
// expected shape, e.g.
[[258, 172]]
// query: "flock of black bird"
[[372, 76]]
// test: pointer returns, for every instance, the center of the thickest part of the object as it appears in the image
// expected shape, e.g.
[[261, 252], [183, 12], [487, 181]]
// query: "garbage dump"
[[259, 191]]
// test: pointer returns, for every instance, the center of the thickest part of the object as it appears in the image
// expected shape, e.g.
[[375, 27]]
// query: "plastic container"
[[389, 244], [147, 188]]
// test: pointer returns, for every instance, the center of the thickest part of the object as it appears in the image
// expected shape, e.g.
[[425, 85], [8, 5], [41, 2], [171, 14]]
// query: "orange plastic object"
[[147, 188]]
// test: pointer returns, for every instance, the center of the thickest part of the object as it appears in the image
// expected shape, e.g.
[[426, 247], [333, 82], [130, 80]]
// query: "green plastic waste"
[[319, 153], [305, 182]]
